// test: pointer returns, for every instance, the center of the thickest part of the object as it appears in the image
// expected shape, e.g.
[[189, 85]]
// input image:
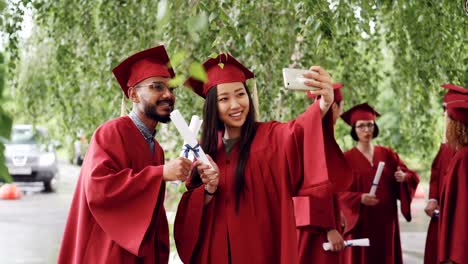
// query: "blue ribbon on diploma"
[[194, 149]]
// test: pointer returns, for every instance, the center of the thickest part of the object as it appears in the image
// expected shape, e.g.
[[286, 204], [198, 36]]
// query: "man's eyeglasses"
[[158, 86], [363, 126]]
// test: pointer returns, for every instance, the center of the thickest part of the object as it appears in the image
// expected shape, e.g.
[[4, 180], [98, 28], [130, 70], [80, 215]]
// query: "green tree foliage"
[[5, 119], [392, 54]]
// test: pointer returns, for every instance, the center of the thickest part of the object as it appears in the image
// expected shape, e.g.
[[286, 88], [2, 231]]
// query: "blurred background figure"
[[438, 171], [453, 233], [80, 146], [374, 216]]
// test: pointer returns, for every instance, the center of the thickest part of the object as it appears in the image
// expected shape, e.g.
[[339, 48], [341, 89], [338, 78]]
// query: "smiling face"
[[365, 130], [233, 106], [153, 98]]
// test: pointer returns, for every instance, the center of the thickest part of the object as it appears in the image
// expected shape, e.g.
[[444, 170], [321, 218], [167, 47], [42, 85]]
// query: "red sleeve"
[[339, 171], [350, 205], [435, 176], [121, 200], [407, 188], [188, 221], [316, 210], [302, 146]]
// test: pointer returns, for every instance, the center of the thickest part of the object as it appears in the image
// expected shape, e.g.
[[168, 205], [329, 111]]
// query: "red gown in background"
[[379, 223], [117, 213], [286, 159], [438, 170], [317, 214], [453, 227]]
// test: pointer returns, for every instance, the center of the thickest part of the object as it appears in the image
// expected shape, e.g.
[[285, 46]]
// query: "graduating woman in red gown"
[[374, 216], [438, 171], [241, 211], [316, 223], [453, 227]]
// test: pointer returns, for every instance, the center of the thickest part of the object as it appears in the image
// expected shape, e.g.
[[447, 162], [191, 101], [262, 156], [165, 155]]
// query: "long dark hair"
[[209, 139]]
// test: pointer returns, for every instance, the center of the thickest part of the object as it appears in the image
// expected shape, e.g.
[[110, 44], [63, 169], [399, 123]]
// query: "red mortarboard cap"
[[222, 69], [456, 102], [453, 90], [152, 62], [359, 112], [338, 96]]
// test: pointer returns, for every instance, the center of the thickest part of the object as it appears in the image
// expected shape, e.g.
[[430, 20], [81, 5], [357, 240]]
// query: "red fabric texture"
[[459, 114], [311, 238], [453, 228], [438, 172], [286, 159], [117, 213], [318, 213], [378, 223]]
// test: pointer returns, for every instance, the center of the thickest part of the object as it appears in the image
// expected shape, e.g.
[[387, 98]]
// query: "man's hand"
[[369, 200], [177, 170], [319, 78], [336, 240], [430, 207]]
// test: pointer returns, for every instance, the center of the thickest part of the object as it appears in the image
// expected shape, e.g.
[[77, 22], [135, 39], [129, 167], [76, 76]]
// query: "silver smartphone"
[[294, 79]]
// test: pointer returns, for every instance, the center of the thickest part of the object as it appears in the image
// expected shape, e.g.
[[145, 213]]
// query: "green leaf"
[[177, 81], [198, 23], [197, 71], [5, 124]]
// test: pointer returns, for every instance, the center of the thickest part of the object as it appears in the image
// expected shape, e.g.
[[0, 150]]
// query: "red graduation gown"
[[378, 223], [285, 159], [438, 170], [317, 214], [453, 228], [117, 213]]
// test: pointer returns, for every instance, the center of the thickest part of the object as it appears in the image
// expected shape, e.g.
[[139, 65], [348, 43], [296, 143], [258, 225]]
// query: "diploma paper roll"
[[376, 180], [195, 124], [188, 136], [363, 242]]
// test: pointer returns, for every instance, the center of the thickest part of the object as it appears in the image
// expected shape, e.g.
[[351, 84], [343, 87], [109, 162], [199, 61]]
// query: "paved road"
[[31, 228]]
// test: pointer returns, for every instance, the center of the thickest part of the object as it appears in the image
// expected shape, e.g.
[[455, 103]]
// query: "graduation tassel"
[[123, 109], [255, 99]]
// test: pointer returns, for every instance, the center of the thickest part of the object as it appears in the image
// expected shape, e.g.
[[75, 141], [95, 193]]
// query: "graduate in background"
[[316, 223], [242, 212], [369, 216], [438, 172], [117, 213], [453, 228]]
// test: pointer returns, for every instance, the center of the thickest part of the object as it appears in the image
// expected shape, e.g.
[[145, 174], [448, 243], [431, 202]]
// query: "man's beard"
[[151, 112]]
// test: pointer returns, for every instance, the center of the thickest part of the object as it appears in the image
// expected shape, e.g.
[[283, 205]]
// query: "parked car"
[[31, 157]]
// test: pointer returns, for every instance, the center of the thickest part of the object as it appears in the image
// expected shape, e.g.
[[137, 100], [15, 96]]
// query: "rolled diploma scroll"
[[363, 242], [188, 136], [195, 124], [376, 180]]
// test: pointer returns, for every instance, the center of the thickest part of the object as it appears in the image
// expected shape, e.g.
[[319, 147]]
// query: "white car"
[[30, 158]]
